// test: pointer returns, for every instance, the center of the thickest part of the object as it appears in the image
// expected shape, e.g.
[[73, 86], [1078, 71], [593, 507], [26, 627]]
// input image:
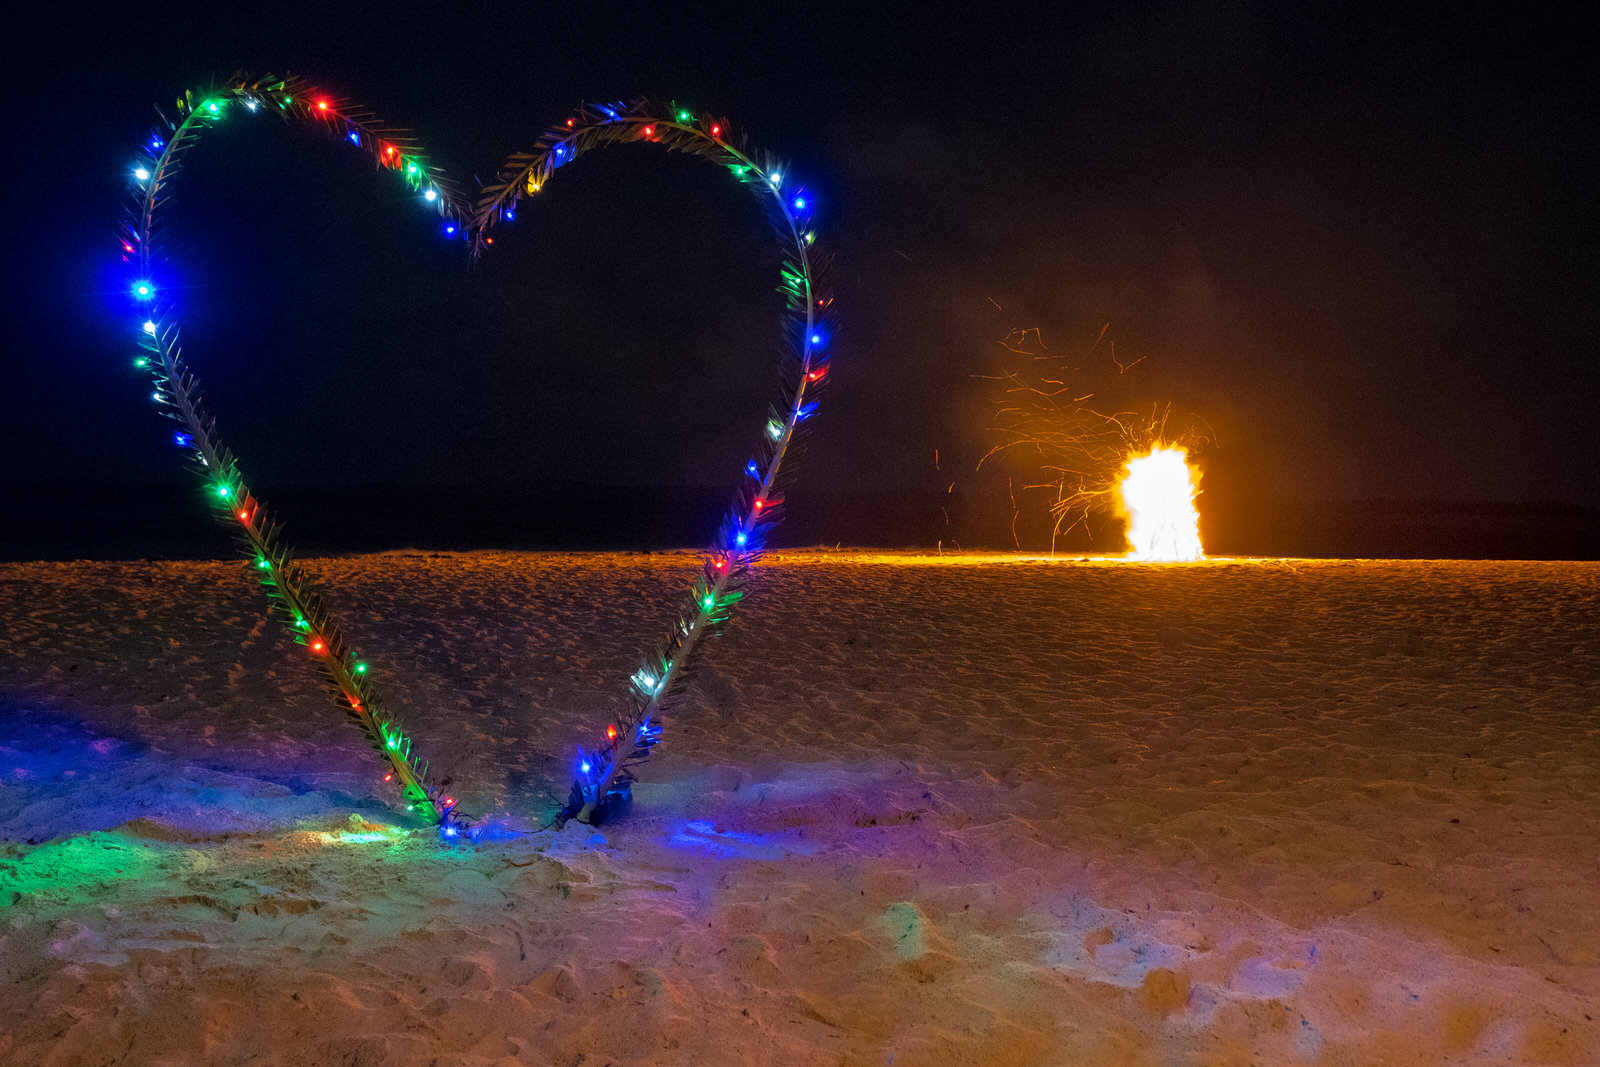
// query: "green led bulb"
[[361, 668]]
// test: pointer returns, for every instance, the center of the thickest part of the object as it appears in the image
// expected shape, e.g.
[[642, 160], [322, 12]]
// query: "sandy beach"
[[916, 810]]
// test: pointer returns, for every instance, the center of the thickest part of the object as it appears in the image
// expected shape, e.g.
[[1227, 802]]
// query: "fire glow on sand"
[[1157, 494], [603, 774]]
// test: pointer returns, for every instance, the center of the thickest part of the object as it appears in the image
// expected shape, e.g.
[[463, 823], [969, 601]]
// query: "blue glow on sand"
[[700, 836]]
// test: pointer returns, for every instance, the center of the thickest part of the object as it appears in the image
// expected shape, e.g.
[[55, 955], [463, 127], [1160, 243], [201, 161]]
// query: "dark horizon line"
[[1390, 502]]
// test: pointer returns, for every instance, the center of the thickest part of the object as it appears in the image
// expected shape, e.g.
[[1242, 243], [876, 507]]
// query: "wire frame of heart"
[[605, 771]]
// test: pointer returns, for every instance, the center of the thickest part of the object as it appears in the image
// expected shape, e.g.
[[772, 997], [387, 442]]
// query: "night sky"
[[1357, 247]]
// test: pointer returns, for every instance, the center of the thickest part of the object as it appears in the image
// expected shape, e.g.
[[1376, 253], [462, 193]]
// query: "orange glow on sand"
[[1157, 496]]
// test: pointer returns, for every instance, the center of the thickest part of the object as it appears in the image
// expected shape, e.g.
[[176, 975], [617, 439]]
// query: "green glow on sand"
[[75, 869]]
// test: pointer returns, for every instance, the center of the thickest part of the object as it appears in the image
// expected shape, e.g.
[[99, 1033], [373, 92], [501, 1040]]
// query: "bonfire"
[[1096, 460], [1157, 494]]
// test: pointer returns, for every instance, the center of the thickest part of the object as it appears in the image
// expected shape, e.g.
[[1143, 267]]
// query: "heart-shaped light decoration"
[[604, 772]]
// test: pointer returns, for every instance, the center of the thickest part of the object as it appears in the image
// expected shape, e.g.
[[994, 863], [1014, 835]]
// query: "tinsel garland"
[[605, 772]]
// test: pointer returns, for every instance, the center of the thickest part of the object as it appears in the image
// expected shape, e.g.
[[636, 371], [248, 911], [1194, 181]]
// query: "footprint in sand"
[[1267, 977], [1308, 1042]]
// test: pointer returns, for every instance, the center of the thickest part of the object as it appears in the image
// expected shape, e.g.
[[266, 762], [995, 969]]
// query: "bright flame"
[[1158, 491]]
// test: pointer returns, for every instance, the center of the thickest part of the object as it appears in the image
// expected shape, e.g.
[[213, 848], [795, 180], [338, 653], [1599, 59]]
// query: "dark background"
[[1356, 246]]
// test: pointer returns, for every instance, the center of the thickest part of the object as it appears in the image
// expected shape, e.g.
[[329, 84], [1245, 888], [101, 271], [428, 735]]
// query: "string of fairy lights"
[[604, 772]]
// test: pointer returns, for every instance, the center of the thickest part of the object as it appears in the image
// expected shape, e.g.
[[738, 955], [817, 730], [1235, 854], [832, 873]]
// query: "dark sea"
[[60, 521]]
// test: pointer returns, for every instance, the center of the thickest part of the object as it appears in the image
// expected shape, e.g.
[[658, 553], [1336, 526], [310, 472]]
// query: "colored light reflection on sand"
[[701, 836], [73, 870], [322, 838], [1157, 494]]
